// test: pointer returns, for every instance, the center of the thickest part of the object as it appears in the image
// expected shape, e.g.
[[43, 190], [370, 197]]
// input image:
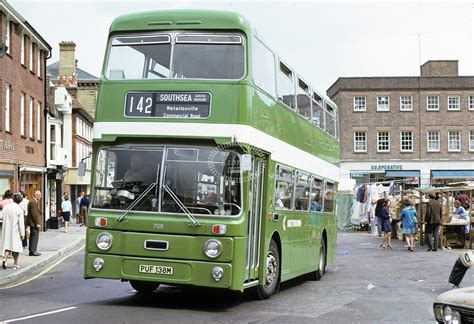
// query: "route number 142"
[[140, 104]]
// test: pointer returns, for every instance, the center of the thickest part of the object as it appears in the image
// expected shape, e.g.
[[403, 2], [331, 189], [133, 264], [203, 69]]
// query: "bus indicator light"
[[100, 222], [219, 229]]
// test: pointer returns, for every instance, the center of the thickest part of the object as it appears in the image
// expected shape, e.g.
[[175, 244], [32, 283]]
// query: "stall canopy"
[[403, 173], [453, 174]]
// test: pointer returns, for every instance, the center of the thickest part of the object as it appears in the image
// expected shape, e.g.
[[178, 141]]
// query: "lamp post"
[[3, 49]]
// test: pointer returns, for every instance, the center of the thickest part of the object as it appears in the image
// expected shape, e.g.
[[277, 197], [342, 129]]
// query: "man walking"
[[433, 221], [34, 222], [83, 211]]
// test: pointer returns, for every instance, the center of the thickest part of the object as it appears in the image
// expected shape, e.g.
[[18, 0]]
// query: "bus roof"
[[180, 19]]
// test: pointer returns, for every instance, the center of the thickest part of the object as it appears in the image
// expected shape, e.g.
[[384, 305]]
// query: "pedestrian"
[[78, 208], [66, 208], [24, 206], [433, 222], [386, 225], [378, 216], [463, 199], [463, 214], [34, 222], [7, 199], [13, 231], [408, 218], [84, 205]]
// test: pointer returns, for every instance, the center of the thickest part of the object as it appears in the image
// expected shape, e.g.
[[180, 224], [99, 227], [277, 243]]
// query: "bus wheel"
[[144, 287], [322, 261], [272, 273]]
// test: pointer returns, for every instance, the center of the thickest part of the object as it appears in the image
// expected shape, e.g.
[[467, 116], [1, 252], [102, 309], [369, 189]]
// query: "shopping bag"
[[27, 233]]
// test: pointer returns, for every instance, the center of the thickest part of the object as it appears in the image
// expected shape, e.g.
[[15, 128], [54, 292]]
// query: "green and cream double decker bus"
[[216, 164]]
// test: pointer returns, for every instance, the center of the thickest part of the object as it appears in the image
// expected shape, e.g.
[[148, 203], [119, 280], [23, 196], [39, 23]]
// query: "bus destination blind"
[[193, 105]]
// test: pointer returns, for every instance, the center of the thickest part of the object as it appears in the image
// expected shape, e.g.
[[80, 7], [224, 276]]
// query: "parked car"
[[455, 306]]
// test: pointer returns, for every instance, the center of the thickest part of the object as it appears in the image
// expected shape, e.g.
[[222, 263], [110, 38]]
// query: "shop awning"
[[403, 173], [453, 174]]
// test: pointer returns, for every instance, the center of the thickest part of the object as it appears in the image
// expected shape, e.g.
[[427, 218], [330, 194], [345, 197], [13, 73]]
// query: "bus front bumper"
[[167, 271]]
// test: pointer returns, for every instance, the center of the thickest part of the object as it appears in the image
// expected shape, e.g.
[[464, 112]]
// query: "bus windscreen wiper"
[[132, 205], [181, 205]]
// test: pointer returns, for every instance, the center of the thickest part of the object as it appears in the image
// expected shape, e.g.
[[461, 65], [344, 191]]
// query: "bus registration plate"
[[161, 270]]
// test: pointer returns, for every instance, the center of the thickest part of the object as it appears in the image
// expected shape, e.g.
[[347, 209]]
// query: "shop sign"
[[7, 145], [386, 167]]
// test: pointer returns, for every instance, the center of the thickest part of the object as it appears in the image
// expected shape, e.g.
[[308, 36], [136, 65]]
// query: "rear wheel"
[[144, 287], [322, 260], [272, 272]]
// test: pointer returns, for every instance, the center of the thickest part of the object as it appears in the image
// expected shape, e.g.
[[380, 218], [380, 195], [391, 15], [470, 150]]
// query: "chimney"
[[440, 68], [67, 59]]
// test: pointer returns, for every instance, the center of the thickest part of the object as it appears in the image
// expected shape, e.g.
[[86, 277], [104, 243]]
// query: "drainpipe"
[[45, 115]]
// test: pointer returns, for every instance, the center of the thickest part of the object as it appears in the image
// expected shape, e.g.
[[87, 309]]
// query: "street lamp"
[[3, 49]]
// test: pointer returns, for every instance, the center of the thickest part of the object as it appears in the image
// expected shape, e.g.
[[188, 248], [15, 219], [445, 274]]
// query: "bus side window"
[[303, 100], [284, 189], [263, 67], [286, 86], [316, 195], [329, 197]]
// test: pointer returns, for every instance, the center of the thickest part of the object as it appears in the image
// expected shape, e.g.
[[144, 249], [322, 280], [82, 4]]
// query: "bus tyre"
[[272, 272], [321, 269], [144, 287]]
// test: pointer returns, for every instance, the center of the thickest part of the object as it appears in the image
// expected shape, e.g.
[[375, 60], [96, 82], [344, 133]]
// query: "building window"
[[406, 103], [383, 103], [31, 57], [22, 114], [406, 141], [360, 141], [8, 90], [433, 141], [359, 103], [52, 143], [471, 141], [471, 102], [23, 46], [7, 37], [38, 121], [38, 61], [454, 103], [30, 120], [432, 103], [454, 141], [383, 142]]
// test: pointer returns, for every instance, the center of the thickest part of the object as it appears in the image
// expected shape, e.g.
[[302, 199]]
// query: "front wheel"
[[144, 287], [272, 272]]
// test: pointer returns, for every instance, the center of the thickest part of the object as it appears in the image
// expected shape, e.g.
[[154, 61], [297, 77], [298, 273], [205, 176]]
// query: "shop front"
[[440, 178], [6, 180]]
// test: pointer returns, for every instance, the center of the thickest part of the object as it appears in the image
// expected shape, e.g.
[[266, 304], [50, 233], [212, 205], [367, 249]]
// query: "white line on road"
[[38, 315]]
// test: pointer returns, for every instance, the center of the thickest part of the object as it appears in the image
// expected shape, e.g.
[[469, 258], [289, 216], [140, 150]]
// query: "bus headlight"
[[104, 241], [98, 264], [212, 248]]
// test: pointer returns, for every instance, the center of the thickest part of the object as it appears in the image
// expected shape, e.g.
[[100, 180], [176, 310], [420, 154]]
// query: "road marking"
[[44, 271], [38, 315]]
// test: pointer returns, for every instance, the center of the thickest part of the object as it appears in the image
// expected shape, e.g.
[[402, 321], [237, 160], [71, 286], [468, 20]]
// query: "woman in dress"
[[66, 208], [386, 225], [13, 231], [408, 218]]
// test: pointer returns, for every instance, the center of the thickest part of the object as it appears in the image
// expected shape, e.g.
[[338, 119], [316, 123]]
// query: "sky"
[[320, 40]]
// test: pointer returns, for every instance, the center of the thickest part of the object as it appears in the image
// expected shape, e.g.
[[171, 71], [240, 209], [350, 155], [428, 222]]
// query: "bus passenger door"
[[254, 222]]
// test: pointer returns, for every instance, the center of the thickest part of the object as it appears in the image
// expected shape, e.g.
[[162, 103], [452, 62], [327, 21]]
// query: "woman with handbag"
[[66, 208], [13, 231]]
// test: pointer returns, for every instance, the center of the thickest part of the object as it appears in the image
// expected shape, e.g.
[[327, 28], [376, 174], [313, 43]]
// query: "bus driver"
[[136, 173]]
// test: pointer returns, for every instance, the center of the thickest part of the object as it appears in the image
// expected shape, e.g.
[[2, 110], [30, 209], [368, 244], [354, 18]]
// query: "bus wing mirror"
[[81, 170]]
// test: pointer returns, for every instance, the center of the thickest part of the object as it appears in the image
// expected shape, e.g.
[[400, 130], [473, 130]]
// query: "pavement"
[[53, 245]]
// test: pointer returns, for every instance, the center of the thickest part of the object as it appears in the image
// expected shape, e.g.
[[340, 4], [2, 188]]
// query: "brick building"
[[78, 90], [22, 102], [420, 129]]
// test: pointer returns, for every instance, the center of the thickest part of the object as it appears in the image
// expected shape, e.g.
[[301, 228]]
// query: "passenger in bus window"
[[315, 205], [136, 173]]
